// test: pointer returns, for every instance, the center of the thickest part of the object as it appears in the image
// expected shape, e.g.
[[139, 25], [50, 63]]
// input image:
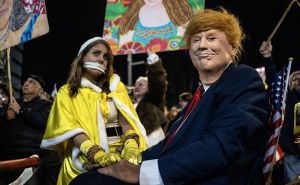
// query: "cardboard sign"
[[133, 26], [21, 21]]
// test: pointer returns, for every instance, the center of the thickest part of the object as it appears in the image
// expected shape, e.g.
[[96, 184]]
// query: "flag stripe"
[[277, 92]]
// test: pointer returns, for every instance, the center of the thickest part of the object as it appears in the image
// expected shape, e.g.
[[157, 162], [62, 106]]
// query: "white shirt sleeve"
[[152, 58], [149, 173]]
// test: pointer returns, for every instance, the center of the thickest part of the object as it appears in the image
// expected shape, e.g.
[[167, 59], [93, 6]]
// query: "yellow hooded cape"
[[86, 113]]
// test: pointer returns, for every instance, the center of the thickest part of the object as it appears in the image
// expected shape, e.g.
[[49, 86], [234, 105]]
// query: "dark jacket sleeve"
[[151, 108], [270, 69], [157, 84], [36, 114]]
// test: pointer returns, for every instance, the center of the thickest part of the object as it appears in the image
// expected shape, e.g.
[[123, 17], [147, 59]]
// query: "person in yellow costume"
[[93, 122]]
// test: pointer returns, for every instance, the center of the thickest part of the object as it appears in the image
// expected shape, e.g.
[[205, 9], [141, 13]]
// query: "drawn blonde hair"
[[179, 11]]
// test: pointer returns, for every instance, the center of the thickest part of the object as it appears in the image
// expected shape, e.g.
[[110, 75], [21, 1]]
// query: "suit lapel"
[[190, 119], [200, 109]]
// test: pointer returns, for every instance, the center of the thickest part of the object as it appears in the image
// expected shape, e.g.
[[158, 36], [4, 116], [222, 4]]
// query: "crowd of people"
[[93, 132], [22, 126]]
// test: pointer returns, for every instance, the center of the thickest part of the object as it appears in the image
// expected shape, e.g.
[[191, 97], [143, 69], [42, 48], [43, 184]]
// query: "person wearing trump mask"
[[93, 122]]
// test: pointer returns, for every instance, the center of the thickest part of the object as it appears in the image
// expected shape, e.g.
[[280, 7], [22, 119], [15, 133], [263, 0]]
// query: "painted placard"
[[21, 21], [133, 26]]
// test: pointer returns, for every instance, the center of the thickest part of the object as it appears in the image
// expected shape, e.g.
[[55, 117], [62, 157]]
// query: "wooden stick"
[[15, 164], [281, 20], [9, 74]]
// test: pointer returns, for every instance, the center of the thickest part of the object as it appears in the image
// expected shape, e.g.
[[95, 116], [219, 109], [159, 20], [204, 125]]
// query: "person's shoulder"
[[39, 102], [244, 67], [44, 101], [245, 70], [239, 74], [64, 87], [63, 90]]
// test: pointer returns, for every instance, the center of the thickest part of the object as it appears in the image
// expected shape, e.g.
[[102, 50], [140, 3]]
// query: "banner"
[[21, 21], [133, 26]]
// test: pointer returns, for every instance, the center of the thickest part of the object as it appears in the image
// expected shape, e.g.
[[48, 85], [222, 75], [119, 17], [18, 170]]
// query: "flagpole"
[[281, 20], [9, 81], [287, 80], [269, 177]]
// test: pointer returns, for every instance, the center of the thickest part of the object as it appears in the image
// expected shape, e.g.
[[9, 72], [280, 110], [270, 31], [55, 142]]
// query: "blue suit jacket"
[[223, 139]]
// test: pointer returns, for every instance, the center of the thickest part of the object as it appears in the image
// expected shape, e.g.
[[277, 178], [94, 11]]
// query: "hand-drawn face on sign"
[[21, 21], [133, 26]]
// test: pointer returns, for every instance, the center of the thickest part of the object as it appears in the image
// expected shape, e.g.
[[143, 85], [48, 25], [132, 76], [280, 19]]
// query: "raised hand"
[[266, 49]]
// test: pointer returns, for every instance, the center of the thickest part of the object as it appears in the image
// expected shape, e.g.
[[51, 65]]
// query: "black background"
[[73, 22]]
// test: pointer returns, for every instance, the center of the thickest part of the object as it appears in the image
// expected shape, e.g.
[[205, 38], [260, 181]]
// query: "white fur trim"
[[86, 83], [114, 84], [75, 160], [48, 143], [102, 130], [129, 113]]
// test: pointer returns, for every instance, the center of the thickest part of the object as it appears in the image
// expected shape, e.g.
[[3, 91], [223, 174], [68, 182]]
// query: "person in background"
[[93, 122], [289, 135], [184, 99], [149, 94], [22, 131], [4, 101], [172, 113], [219, 138]]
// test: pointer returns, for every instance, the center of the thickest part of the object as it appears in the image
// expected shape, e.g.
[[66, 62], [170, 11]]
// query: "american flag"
[[278, 90]]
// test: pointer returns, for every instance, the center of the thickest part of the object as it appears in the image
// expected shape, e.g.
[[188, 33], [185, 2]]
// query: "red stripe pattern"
[[274, 152]]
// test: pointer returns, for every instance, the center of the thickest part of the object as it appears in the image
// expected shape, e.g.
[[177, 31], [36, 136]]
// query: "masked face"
[[96, 61], [211, 52]]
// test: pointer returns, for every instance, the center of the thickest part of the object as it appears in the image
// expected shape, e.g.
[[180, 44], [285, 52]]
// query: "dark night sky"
[[71, 24]]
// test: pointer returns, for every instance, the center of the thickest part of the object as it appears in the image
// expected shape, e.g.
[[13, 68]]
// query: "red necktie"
[[197, 96]]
